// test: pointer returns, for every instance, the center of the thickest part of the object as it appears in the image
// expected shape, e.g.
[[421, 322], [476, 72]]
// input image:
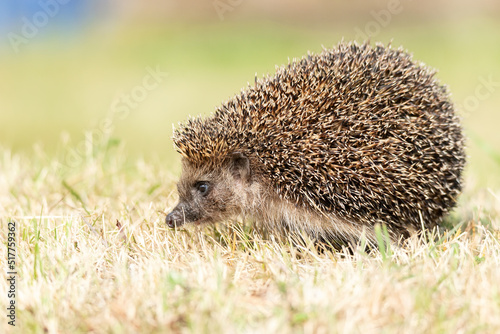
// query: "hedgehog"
[[332, 145]]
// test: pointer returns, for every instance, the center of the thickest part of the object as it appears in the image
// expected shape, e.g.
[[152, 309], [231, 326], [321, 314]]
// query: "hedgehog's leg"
[[339, 233], [301, 234]]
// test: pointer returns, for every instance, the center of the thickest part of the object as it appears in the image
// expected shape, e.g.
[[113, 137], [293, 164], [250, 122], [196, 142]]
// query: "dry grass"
[[82, 271]]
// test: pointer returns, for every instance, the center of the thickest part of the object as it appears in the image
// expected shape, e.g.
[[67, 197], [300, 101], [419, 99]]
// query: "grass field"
[[94, 254]]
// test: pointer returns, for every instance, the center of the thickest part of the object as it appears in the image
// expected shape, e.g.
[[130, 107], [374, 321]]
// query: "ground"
[[94, 255]]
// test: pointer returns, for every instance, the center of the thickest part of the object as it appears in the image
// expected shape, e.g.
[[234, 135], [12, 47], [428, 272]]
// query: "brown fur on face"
[[212, 191]]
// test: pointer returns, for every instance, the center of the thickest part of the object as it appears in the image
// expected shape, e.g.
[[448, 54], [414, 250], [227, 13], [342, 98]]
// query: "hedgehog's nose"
[[172, 220]]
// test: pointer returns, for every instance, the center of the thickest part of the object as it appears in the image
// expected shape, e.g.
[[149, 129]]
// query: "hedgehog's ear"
[[240, 166]]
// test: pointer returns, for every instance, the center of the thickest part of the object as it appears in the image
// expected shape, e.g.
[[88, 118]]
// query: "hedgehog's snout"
[[174, 219]]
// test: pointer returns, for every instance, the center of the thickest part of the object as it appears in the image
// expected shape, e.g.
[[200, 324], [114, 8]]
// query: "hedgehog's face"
[[209, 194]]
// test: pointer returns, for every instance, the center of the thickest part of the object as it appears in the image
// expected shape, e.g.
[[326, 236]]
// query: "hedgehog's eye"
[[202, 187]]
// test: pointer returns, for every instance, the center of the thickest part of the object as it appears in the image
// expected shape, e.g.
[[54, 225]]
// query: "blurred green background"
[[69, 76]]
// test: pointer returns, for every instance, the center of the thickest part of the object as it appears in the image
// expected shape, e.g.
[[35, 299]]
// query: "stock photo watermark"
[[484, 90], [11, 272], [223, 6], [31, 26], [381, 19], [120, 109], [127, 102]]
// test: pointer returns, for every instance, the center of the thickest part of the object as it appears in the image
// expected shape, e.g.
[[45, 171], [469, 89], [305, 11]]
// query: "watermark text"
[[11, 273]]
